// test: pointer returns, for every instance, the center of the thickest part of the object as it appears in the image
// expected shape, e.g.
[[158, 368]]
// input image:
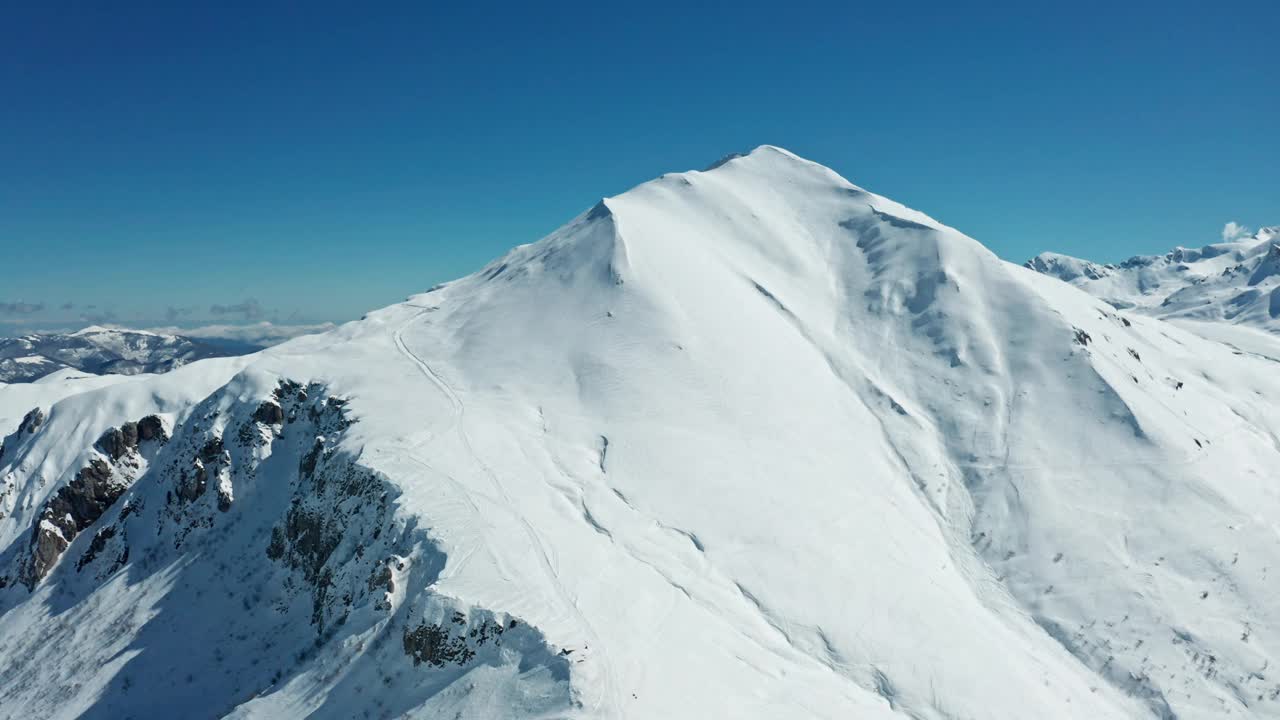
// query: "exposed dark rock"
[[486, 631], [192, 482], [289, 388], [337, 514], [308, 465], [98, 544], [46, 547], [278, 544], [115, 443], [75, 507], [311, 540], [382, 578], [434, 645], [31, 421], [152, 428], [269, 413], [90, 493], [87, 496], [212, 450]]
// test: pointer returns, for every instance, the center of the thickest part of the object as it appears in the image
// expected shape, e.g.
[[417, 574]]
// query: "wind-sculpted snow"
[[745, 442]]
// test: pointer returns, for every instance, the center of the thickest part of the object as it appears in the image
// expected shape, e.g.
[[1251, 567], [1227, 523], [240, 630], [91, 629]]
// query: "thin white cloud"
[[263, 333], [1233, 231]]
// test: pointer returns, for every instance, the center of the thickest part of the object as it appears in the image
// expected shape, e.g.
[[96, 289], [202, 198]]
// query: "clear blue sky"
[[325, 160]]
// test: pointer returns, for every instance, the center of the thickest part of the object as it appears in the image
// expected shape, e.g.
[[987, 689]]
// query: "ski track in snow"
[[609, 700]]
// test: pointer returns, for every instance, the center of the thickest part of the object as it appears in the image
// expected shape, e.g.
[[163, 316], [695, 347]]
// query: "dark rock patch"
[[152, 428], [75, 507], [269, 413], [432, 644], [118, 442], [98, 544], [31, 422]]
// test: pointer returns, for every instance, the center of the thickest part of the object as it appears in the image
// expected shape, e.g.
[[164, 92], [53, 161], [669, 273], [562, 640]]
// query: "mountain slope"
[[747, 442], [1237, 282], [101, 351]]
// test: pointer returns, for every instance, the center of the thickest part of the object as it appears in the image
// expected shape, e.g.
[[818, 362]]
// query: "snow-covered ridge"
[[309, 560], [103, 350], [743, 442], [1236, 281]]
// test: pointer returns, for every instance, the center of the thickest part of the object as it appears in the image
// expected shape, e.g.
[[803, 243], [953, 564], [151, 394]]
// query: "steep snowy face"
[[746, 442], [1237, 282], [101, 350]]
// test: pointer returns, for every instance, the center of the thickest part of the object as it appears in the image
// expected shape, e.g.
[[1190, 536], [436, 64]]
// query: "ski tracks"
[[552, 575]]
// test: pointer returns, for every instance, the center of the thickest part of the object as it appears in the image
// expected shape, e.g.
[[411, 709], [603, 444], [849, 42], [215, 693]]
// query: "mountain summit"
[[744, 442]]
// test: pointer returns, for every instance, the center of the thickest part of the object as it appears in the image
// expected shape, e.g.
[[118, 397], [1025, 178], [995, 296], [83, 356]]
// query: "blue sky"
[[304, 162]]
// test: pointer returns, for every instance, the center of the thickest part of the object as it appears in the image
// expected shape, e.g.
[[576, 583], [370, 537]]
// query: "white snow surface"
[[1236, 281], [17, 399], [750, 442]]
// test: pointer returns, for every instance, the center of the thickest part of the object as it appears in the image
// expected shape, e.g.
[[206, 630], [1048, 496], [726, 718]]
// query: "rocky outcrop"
[[73, 508], [338, 510], [31, 422], [269, 413], [453, 643], [254, 513], [434, 644], [118, 442], [94, 488], [152, 428]]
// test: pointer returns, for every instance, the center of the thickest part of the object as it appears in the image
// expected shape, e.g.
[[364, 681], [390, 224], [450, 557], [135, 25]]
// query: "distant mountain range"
[[1236, 282], [101, 351]]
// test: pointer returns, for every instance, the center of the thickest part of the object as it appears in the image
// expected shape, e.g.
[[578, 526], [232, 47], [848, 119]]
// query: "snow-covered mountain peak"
[[759, 152], [1269, 266], [765, 194], [744, 442], [1237, 280], [101, 330]]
